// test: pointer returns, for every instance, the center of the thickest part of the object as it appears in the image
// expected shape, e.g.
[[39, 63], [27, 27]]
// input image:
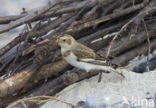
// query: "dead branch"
[[52, 13], [29, 17], [64, 80], [118, 48], [105, 18], [43, 30], [126, 57], [38, 100], [142, 13], [16, 82]]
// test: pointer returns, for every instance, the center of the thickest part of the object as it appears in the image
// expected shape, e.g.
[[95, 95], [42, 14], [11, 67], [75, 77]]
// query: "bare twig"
[[38, 100], [104, 18], [29, 17], [58, 11], [35, 33], [142, 13], [148, 44]]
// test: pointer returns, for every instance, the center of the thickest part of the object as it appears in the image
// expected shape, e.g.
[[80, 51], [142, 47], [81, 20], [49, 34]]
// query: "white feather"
[[90, 60]]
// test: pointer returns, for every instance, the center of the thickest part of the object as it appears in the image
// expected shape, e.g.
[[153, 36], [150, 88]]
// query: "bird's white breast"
[[72, 60]]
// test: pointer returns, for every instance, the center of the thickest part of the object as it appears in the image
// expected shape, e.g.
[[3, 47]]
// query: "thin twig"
[[23, 103], [29, 17], [104, 18], [148, 45], [64, 26], [125, 27], [38, 99]]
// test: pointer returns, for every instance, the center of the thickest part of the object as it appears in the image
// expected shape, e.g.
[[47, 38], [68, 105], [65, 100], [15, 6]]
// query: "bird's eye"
[[64, 40]]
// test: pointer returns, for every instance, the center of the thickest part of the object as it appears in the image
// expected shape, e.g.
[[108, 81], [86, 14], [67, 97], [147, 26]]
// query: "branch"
[[29, 17], [37, 100], [148, 45], [58, 11], [35, 33], [123, 59], [142, 13], [105, 18]]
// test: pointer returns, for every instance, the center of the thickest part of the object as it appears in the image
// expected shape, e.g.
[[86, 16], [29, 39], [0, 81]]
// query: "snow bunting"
[[82, 57]]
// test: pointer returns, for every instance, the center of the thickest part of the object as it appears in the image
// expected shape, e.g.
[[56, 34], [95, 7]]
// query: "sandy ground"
[[135, 88]]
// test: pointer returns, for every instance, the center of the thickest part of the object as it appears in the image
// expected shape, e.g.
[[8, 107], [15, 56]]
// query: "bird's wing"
[[83, 52], [88, 55]]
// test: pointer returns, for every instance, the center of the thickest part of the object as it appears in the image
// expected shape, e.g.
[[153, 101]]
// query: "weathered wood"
[[56, 85], [127, 56], [31, 16], [8, 86]]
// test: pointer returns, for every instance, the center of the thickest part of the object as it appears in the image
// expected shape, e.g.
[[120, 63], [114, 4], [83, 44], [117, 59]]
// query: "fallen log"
[[126, 57]]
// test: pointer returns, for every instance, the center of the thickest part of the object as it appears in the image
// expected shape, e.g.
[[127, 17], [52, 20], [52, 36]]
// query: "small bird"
[[83, 57]]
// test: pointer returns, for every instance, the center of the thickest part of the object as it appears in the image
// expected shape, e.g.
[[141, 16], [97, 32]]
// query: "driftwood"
[[114, 29], [61, 82]]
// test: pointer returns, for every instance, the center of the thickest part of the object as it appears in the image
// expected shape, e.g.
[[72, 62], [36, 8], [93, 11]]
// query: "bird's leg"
[[100, 75]]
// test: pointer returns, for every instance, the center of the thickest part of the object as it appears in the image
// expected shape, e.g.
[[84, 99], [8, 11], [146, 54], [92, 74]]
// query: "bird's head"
[[66, 41]]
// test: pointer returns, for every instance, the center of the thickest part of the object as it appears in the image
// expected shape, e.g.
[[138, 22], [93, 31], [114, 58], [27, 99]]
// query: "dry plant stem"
[[34, 46], [118, 48], [105, 18], [12, 44], [112, 7], [37, 99], [36, 33], [54, 24], [54, 86], [7, 19], [148, 44], [142, 13], [100, 34], [6, 59], [123, 59], [23, 103], [20, 79], [63, 27], [49, 70], [29, 17], [51, 13]]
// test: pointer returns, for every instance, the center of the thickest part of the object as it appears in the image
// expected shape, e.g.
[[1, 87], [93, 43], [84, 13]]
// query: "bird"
[[83, 57]]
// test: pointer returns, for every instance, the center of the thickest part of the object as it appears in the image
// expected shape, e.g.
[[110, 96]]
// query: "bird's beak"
[[57, 41]]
